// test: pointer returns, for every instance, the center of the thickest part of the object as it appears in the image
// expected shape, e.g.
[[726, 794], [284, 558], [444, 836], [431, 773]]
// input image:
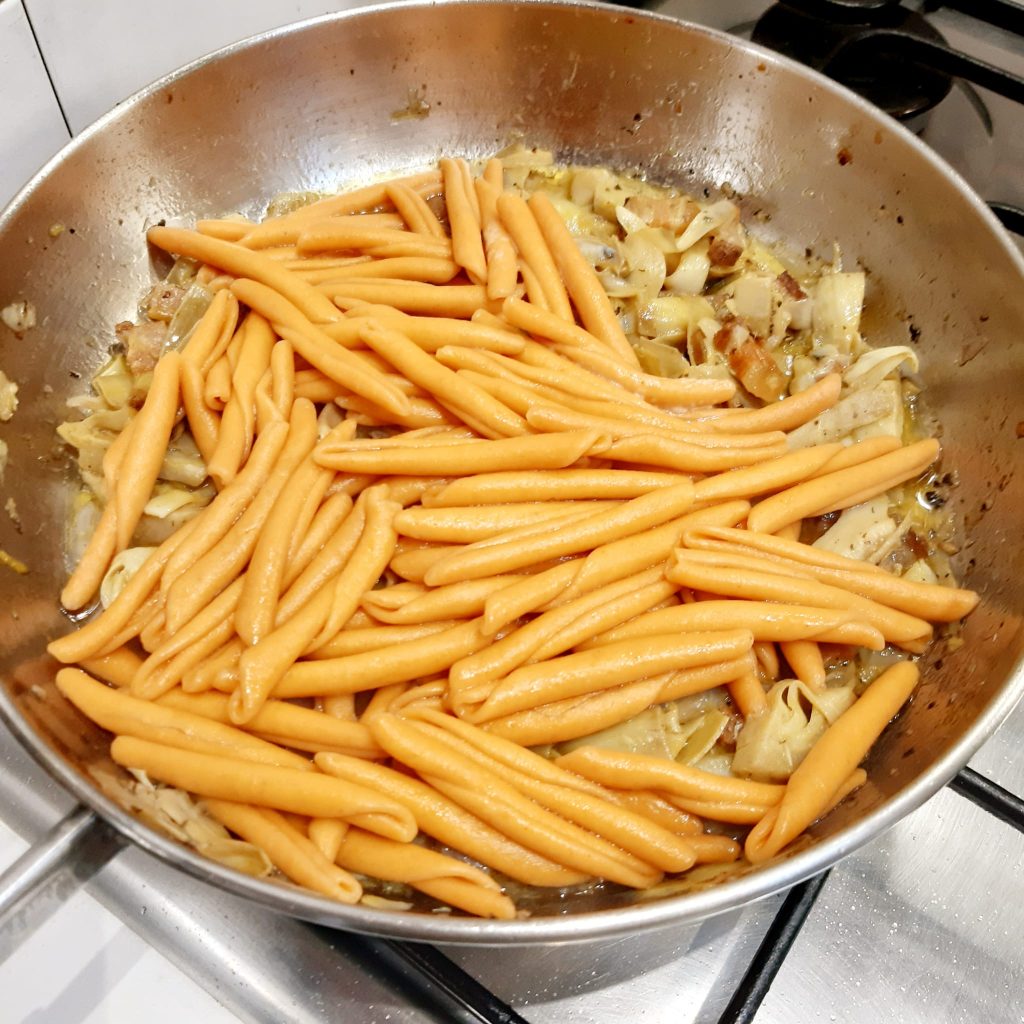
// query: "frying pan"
[[349, 97]]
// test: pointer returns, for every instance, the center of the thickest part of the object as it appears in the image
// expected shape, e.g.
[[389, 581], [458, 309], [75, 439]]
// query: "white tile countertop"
[[32, 128], [99, 53]]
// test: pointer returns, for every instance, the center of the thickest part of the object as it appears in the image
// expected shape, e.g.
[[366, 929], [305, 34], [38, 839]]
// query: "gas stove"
[[922, 926]]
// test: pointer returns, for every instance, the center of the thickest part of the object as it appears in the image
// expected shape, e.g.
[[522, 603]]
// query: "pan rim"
[[687, 908]]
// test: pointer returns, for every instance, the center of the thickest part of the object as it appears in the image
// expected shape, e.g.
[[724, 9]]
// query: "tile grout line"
[[46, 68]]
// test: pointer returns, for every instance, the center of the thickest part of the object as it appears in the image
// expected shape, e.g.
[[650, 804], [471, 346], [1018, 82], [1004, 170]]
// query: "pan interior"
[[349, 98]]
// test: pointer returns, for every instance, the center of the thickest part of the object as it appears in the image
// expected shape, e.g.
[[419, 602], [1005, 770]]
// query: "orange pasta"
[[448, 880], [586, 807], [420, 368], [368, 670], [843, 488], [748, 694], [475, 456], [633, 517], [611, 665], [283, 789], [318, 348], [636, 771], [124, 715], [230, 503], [446, 821], [503, 807], [580, 280], [426, 509], [414, 209], [242, 262], [766, 620], [464, 217], [519, 221], [502, 267], [287, 848], [221, 563], [290, 725], [238, 422], [144, 452], [804, 657], [746, 580], [582, 716], [830, 762]]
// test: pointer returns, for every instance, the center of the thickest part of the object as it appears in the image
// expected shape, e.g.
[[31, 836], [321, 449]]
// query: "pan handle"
[[48, 874], [860, 49], [1012, 217]]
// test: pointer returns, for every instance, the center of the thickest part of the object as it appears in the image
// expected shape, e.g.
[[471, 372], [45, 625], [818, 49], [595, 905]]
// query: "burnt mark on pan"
[[416, 106], [970, 350]]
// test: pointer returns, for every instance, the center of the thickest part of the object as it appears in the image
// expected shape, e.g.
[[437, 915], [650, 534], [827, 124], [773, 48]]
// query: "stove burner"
[[815, 32], [854, 12]]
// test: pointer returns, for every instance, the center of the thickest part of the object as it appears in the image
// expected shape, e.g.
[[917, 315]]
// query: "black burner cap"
[[902, 89]]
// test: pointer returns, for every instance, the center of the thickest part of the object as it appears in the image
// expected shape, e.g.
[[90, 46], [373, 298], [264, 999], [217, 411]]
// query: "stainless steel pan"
[[328, 102]]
